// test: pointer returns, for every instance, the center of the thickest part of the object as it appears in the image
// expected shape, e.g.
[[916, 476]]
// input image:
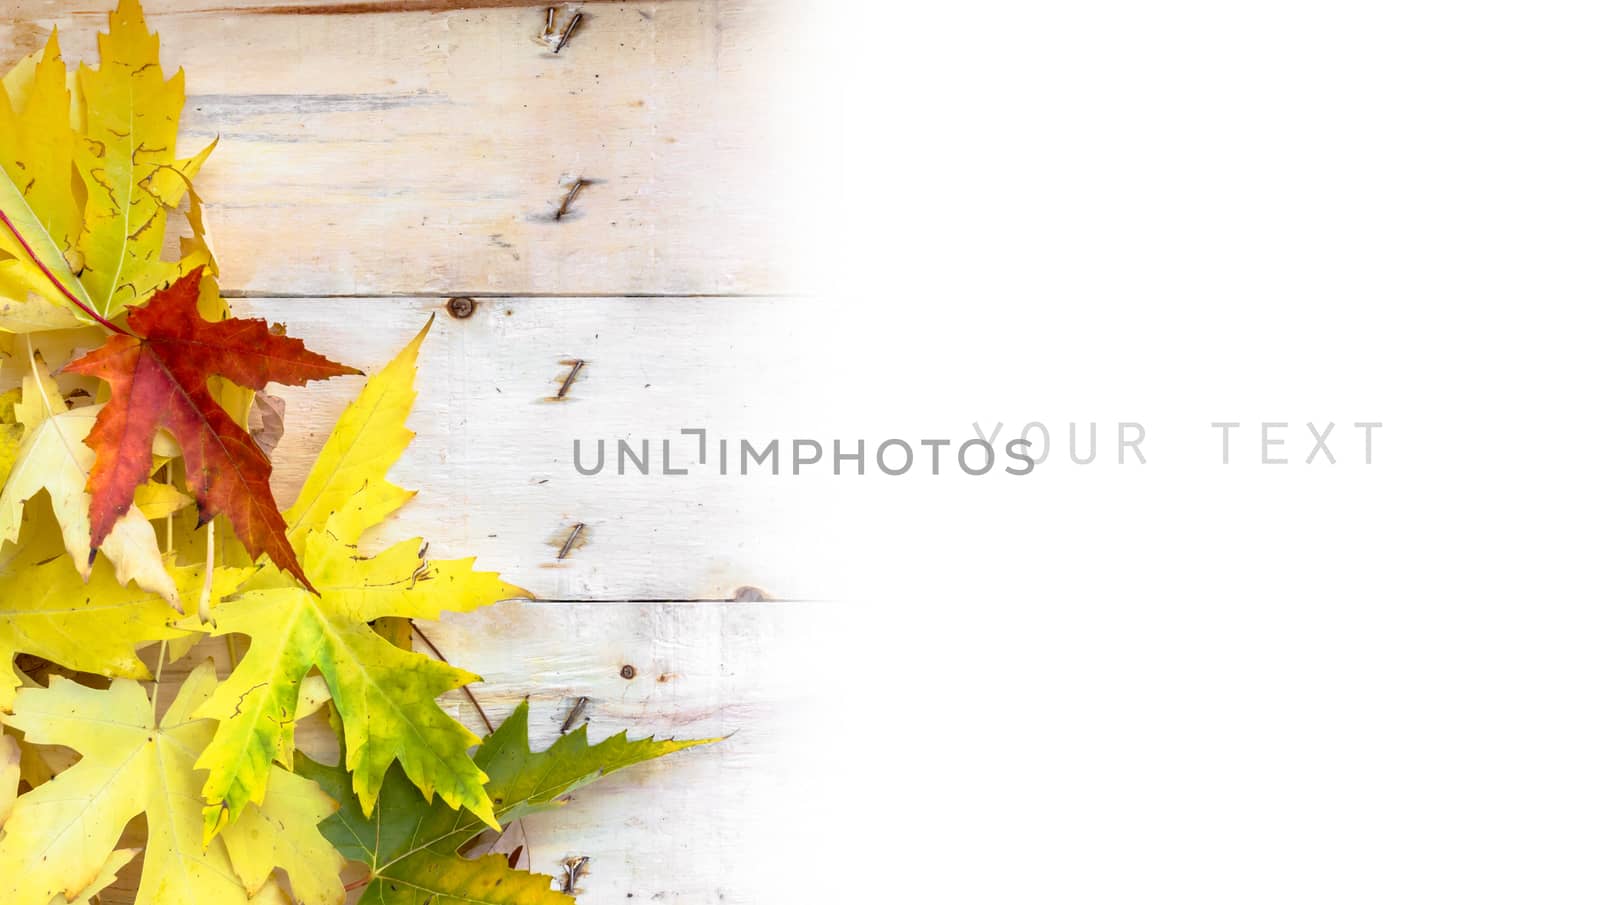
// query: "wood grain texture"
[[493, 457], [380, 156], [398, 152], [687, 831]]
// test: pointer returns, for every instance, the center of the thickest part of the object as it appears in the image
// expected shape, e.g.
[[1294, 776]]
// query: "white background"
[[1186, 682]]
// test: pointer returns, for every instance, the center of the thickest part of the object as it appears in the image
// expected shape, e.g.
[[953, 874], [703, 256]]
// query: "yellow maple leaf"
[[39, 762], [95, 626], [385, 696], [87, 178], [60, 835], [37, 141], [129, 142], [11, 431], [107, 876], [10, 774], [36, 197], [351, 473]]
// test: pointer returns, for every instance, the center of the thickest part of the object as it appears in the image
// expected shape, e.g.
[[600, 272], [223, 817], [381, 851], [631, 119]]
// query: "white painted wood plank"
[[684, 831], [403, 152], [494, 459]]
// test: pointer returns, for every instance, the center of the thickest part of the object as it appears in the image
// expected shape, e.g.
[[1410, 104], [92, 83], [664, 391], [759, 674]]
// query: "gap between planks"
[[714, 601]]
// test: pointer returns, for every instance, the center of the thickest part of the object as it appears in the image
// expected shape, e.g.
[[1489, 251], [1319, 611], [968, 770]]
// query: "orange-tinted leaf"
[[158, 380]]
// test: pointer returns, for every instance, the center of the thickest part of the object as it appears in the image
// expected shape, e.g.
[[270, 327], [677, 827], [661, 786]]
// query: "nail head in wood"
[[572, 194], [462, 308], [577, 365], [566, 35], [573, 870], [572, 716], [628, 671], [577, 532]]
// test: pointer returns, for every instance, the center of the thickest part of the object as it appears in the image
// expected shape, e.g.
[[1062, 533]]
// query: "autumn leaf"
[[107, 876], [411, 847], [54, 457], [158, 379], [87, 181], [384, 694], [95, 626], [11, 431], [127, 159], [10, 775], [39, 763], [354, 463], [10, 784], [282, 832], [41, 215], [60, 835]]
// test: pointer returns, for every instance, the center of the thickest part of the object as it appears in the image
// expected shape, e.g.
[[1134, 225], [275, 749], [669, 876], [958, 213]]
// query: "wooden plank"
[[684, 831], [380, 151], [673, 830], [494, 458]]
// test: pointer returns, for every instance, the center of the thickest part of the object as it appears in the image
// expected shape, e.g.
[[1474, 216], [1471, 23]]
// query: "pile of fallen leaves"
[[136, 518]]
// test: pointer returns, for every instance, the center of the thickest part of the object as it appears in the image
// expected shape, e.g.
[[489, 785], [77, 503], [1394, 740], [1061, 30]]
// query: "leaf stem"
[[166, 471], [155, 686], [211, 562], [50, 275], [467, 690]]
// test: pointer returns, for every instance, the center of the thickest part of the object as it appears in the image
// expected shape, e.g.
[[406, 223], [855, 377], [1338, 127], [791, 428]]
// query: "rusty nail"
[[549, 22], [577, 531], [572, 25], [628, 671], [461, 308], [572, 717], [577, 365], [566, 203], [574, 869]]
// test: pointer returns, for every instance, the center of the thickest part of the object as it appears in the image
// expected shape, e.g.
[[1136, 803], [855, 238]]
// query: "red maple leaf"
[[158, 380]]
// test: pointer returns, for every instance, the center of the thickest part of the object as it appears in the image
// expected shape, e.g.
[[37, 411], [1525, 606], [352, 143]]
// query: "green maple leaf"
[[411, 847]]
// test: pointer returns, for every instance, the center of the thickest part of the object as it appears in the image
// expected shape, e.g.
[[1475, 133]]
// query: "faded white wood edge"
[[388, 151]]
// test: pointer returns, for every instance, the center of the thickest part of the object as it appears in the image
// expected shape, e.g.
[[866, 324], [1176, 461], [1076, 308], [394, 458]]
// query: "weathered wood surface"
[[377, 158], [379, 151], [493, 456]]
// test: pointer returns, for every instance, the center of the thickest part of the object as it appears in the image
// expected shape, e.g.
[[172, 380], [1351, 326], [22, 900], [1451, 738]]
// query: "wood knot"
[[461, 307]]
